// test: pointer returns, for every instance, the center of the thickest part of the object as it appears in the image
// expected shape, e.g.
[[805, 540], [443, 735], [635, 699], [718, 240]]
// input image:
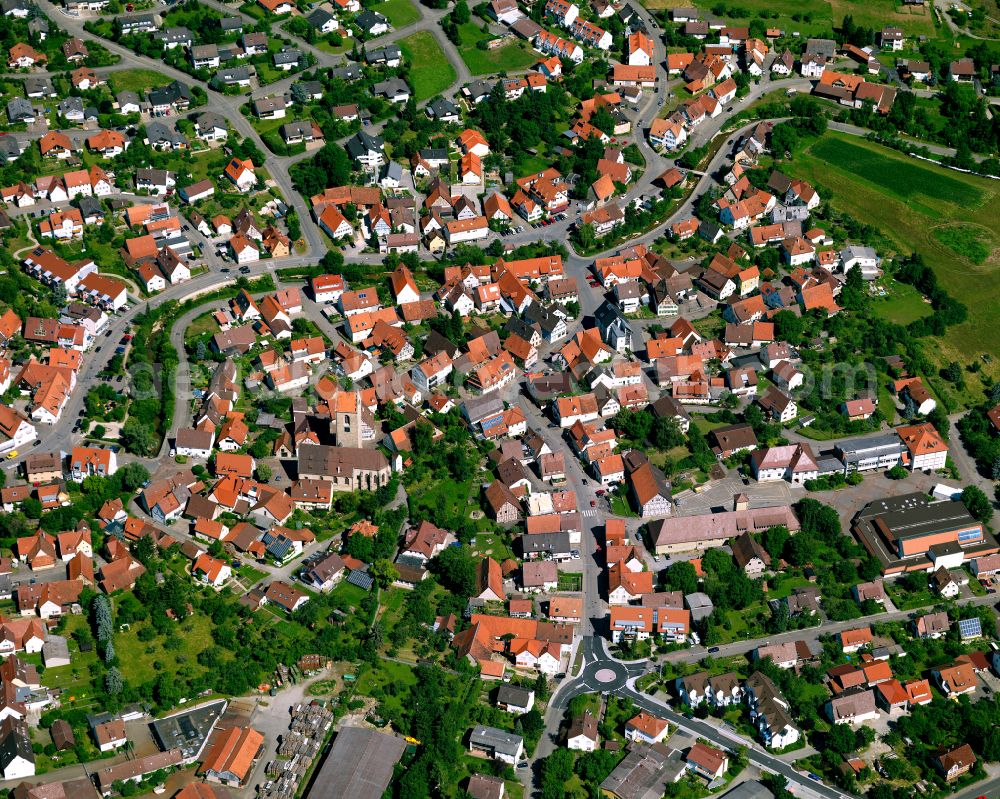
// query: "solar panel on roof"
[[970, 628]]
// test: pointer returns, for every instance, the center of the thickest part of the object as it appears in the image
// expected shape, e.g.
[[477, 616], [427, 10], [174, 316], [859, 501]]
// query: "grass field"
[[136, 80], [430, 71], [966, 240], [903, 305], [908, 201], [400, 12], [509, 58], [817, 16], [139, 665]]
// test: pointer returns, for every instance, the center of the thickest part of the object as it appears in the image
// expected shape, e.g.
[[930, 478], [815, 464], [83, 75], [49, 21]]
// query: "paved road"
[[964, 461]]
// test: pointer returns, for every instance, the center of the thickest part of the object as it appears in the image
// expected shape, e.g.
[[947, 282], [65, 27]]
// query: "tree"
[[773, 540], [383, 572], [556, 769], [114, 684], [460, 13], [777, 784], [132, 476], [977, 503], [456, 571], [263, 472], [531, 723], [681, 577], [840, 739], [137, 437], [361, 547]]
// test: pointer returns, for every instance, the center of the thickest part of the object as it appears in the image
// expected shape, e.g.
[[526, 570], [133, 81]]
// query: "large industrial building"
[[911, 533]]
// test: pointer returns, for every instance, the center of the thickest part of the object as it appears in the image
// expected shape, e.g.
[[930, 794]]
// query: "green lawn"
[[532, 165], [74, 679], [349, 593], [512, 57], [400, 12], [202, 324], [620, 506], [570, 581], [136, 80], [782, 586], [909, 201], [430, 71], [903, 305], [493, 545], [706, 424]]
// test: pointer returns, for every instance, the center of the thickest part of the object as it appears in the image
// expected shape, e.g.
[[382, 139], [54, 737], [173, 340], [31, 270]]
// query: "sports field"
[[946, 216]]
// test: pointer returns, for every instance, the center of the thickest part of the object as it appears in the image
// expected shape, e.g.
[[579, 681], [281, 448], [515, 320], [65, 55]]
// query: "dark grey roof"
[[500, 741], [233, 75], [70, 105], [545, 543], [17, 109], [382, 54], [479, 88], [230, 24], [391, 87], [289, 56], [545, 318], [751, 789], [513, 695], [367, 20], [173, 93], [442, 108], [319, 17], [210, 120], [90, 206], [14, 742], [38, 85], [178, 34], [157, 131], [362, 143], [9, 148], [348, 73]]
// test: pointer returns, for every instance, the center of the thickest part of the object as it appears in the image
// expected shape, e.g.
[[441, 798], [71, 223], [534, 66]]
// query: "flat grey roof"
[[360, 763], [188, 731]]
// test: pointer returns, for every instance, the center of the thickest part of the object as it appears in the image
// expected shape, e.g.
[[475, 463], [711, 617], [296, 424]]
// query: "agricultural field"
[[430, 71], [925, 208]]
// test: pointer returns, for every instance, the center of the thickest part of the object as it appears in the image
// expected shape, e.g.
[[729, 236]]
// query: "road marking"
[[589, 512]]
